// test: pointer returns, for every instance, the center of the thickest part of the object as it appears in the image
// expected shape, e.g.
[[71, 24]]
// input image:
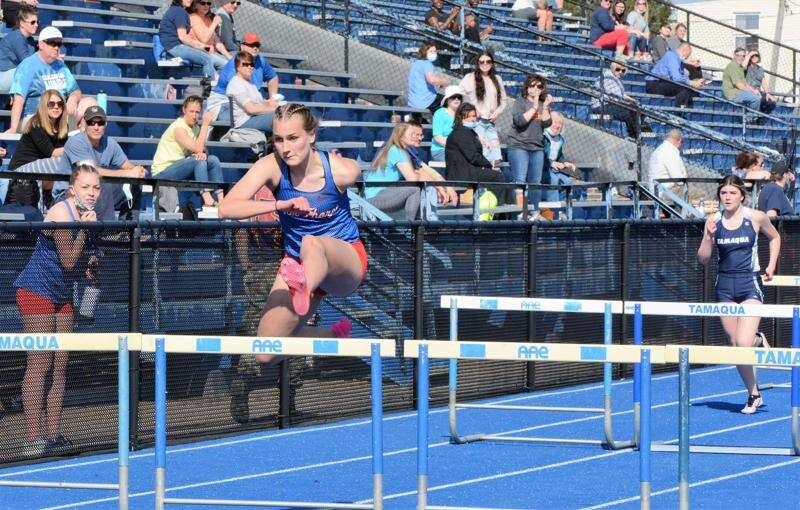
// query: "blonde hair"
[[42, 120], [395, 140], [289, 110]]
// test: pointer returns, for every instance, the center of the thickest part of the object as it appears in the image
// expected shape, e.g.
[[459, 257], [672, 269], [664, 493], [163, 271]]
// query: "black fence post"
[[419, 303], [780, 269], [284, 413], [530, 284], [347, 36], [705, 323], [134, 296], [624, 290]]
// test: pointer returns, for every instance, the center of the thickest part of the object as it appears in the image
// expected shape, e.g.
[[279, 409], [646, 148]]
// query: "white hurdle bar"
[[587, 353], [782, 281], [375, 349], [510, 304], [87, 342]]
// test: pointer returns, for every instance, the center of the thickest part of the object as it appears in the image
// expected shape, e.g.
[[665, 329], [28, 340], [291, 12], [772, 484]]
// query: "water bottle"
[[102, 101]]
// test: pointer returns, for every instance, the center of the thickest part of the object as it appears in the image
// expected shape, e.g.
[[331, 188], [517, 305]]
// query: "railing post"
[[533, 239], [347, 36], [419, 303], [134, 296], [324, 14], [639, 146]]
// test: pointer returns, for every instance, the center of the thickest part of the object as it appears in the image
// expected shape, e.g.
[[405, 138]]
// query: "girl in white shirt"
[[484, 88]]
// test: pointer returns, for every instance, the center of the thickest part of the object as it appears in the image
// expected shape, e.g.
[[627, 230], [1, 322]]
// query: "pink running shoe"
[[342, 328], [295, 277]]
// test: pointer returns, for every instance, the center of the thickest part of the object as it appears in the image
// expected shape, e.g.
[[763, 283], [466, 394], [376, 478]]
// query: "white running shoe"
[[761, 340], [753, 403]]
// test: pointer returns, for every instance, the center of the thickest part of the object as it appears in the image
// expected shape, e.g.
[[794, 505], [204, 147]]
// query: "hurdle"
[[723, 355], [684, 355], [94, 342], [607, 308], [782, 281], [515, 351], [375, 349]]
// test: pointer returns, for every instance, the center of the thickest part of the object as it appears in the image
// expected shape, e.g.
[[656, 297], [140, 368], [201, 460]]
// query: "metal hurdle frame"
[[375, 349], [607, 308], [106, 342], [592, 353], [722, 355], [685, 355]]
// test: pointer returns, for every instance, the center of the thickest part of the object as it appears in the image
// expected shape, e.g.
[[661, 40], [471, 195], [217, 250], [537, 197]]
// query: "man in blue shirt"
[[17, 45], [263, 74], [670, 67], [39, 73], [772, 198]]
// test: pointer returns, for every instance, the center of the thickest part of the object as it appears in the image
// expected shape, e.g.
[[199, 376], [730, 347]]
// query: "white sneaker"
[[761, 340], [753, 403]]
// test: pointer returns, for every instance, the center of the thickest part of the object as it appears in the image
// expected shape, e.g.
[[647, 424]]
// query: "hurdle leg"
[[123, 412], [608, 426], [683, 430], [644, 429], [376, 370], [637, 384], [161, 422], [453, 376], [422, 427]]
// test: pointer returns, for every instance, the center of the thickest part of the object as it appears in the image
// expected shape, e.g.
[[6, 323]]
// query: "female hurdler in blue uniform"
[[734, 231]]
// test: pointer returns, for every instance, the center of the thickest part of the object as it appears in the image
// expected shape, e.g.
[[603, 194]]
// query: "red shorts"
[[358, 246], [30, 303]]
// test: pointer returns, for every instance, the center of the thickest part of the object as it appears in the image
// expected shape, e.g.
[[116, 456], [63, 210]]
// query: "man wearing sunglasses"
[[42, 71], [611, 85], [227, 32], [18, 45]]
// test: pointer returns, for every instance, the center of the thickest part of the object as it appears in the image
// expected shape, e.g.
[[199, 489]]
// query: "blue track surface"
[[332, 462]]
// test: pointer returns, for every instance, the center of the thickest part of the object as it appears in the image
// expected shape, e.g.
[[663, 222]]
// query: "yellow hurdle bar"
[[722, 355], [286, 346], [525, 351], [782, 281], [68, 341]]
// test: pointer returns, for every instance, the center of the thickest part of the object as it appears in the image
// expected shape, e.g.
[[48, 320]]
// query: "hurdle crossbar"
[[375, 349], [782, 281], [423, 350], [511, 304], [94, 342]]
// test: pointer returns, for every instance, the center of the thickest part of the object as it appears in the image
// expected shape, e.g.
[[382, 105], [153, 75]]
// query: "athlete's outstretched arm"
[[707, 244], [238, 204], [774, 237]]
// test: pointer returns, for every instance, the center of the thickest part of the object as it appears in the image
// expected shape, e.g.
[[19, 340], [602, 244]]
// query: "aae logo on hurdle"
[[488, 304], [267, 345], [533, 352], [778, 357], [28, 343]]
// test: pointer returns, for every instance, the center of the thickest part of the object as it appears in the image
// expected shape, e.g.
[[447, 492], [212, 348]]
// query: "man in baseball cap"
[[772, 199], [36, 74]]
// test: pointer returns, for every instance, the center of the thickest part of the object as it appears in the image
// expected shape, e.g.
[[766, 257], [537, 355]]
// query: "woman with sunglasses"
[[227, 32], [443, 120], [17, 45], [639, 31], [611, 84], [484, 89], [174, 30], [250, 109], [754, 74], [204, 28]]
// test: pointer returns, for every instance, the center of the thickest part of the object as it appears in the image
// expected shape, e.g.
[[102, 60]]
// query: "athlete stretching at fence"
[[734, 230], [323, 253]]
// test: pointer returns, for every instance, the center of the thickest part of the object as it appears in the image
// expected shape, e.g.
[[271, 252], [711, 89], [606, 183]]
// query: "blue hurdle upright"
[[607, 308], [374, 349], [91, 342]]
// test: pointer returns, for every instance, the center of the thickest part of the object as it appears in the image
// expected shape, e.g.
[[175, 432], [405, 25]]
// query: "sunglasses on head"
[[55, 104], [55, 43], [95, 123]]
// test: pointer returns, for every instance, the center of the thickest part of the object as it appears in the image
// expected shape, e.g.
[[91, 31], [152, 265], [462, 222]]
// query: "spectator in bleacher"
[[639, 31], [250, 109], [535, 11], [473, 32], [756, 78], [484, 88], [464, 155], [442, 21], [39, 72], [227, 31], [618, 13], [423, 80], [62, 259], [557, 171], [443, 120], [204, 28], [670, 67], [666, 161], [263, 75], [93, 144], [181, 152], [692, 65], [749, 165], [605, 33], [174, 32], [530, 117], [611, 84], [395, 163], [18, 45], [11, 9], [735, 86], [659, 43], [772, 199]]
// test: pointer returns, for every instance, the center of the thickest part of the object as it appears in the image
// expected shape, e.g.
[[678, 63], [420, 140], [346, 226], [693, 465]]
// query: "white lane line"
[[323, 428], [387, 454]]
